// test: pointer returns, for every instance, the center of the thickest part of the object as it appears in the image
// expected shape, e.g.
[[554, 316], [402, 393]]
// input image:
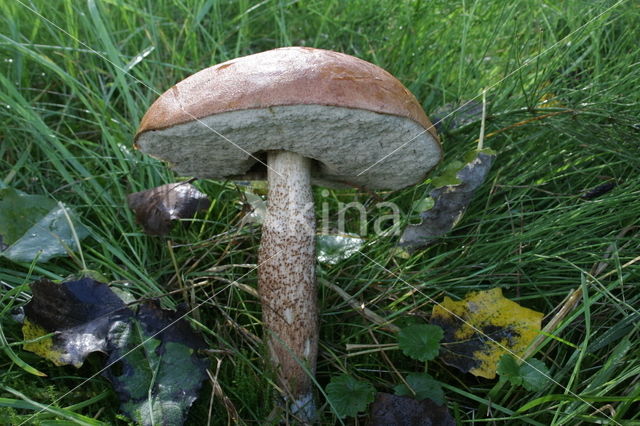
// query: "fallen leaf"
[[332, 249], [257, 207], [599, 190], [395, 410], [80, 313], [20, 211], [151, 352], [421, 205], [449, 201], [481, 328], [34, 227], [153, 366], [452, 116], [155, 208], [449, 176], [252, 200]]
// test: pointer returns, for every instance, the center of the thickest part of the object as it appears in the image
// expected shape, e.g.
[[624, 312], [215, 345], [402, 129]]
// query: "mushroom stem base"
[[287, 282]]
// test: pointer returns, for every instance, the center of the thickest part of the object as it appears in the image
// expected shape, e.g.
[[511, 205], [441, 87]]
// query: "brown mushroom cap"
[[345, 113]]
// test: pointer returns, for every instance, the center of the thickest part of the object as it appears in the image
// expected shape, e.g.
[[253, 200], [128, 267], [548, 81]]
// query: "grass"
[[77, 77]]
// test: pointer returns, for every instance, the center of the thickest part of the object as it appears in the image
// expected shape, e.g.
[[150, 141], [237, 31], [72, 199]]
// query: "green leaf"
[[421, 342], [349, 396], [448, 176], [535, 375], [35, 227], [509, 369], [19, 212], [422, 386], [532, 374], [422, 205]]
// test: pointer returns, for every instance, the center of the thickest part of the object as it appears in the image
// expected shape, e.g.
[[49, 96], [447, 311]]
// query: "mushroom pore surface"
[[345, 142]]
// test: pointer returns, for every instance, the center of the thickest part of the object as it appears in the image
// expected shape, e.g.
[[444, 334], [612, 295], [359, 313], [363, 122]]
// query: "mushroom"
[[294, 116]]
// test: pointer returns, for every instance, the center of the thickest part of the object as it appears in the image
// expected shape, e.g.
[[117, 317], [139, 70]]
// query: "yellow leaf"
[[481, 328], [43, 347]]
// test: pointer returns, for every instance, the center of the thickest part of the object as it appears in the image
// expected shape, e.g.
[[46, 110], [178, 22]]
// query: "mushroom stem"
[[287, 282]]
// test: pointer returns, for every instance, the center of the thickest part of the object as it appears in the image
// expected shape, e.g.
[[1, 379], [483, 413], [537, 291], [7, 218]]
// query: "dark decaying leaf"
[[395, 410], [34, 227], [152, 356], [599, 190], [451, 116], [155, 208], [81, 313], [154, 367], [450, 202]]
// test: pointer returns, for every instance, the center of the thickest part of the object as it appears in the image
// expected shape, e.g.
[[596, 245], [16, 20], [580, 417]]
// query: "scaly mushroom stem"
[[287, 281]]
